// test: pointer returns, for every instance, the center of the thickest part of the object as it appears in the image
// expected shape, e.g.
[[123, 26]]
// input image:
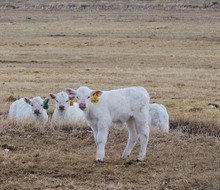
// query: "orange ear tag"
[[95, 99], [71, 102]]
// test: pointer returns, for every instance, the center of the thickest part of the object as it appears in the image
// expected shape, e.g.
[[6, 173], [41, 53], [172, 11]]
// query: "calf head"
[[61, 99], [84, 96], [37, 104]]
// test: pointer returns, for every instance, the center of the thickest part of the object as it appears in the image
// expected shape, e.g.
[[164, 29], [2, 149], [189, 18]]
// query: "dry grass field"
[[174, 54]]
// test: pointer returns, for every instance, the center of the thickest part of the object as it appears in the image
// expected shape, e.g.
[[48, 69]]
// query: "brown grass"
[[195, 126], [42, 158], [173, 54]]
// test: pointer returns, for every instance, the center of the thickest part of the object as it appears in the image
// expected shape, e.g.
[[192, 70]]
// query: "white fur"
[[130, 105], [69, 113], [25, 109], [159, 117]]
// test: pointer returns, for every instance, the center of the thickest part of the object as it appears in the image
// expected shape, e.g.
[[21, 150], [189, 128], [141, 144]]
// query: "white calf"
[[102, 108], [64, 113], [32, 109]]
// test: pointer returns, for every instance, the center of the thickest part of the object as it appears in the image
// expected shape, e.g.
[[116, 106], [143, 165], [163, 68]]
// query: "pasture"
[[174, 54]]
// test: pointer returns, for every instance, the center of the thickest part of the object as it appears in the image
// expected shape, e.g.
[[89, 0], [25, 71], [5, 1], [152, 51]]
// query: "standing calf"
[[32, 109], [102, 108]]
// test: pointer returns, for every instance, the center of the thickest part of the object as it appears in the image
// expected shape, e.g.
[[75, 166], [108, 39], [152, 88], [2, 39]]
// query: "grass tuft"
[[11, 98], [196, 126]]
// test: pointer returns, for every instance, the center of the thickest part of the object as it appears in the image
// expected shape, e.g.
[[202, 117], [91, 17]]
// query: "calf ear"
[[46, 100], [71, 97], [71, 92], [27, 100], [52, 96], [97, 93]]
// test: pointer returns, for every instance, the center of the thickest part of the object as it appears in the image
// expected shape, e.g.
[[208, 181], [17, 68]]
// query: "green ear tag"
[[46, 106], [71, 102], [95, 99]]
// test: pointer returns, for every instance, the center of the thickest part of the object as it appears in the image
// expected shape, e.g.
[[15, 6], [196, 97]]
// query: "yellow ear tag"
[[95, 99], [71, 102]]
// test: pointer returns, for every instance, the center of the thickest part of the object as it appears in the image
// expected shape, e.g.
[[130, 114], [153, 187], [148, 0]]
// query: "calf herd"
[[99, 110]]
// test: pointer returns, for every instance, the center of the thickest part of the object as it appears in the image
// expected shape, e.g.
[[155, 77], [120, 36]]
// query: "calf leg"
[[131, 139], [141, 121], [143, 132], [102, 136], [95, 132]]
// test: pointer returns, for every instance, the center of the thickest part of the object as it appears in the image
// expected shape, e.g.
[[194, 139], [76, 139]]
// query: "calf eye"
[[88, 97], [41, 105], [32, 105], [77, 97], [67, 101]]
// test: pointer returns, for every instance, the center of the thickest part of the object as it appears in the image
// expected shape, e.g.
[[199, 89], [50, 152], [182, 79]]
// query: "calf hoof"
[[139, 160], [99, 161], [125, 157]]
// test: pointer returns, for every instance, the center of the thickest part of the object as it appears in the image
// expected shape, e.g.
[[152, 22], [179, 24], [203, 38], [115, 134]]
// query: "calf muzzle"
[[82, 106], [37, 112]]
